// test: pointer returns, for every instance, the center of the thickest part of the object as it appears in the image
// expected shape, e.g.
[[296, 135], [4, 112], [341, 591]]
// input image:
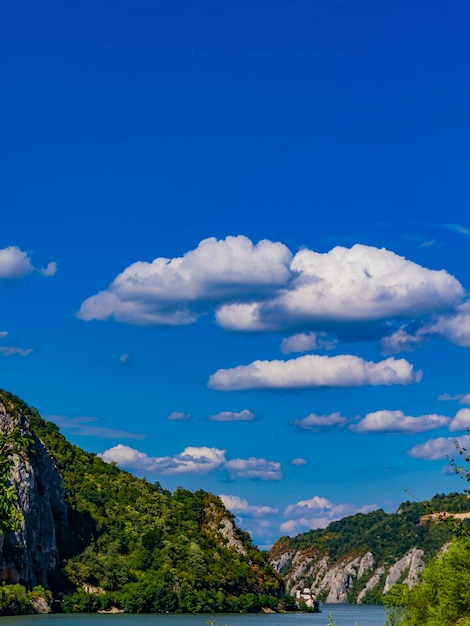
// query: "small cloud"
[[3, 334], [428, 243], [436, 449], [305, 342], [254, 468], [124, 360], [14, 351], [456, 228], [50, 270], [83, 427], [179, 416], [240, 506], [232, 416], [310, 371], [298, 462], [314, 421], [397, 422], [318, 512], [15, 264], [461, 420], [462, 398]]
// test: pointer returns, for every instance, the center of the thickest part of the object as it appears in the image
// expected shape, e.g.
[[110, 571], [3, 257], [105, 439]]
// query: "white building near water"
[[304, 594]]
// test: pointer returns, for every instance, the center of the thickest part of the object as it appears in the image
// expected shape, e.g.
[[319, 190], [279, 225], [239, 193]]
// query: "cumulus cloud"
[[436, 449], [318, 512], [348, 292], [298, 462], [463, 398], [314, 421], [347, 285], [179, 416], [179, 290], [191, 460], [15, 351], [311, 371], [461, 420], [233, 416], [453, 326], [397, 422], [194, 461], [254, 468], [86, 427], [16, 264], [240, 506], [304, 342]]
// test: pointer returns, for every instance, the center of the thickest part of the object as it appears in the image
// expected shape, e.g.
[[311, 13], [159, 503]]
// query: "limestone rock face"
[[334, 581], [29, 555]]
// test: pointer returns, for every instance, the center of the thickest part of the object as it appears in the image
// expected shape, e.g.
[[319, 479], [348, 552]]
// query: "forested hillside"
[[359, 558], [131, 544]]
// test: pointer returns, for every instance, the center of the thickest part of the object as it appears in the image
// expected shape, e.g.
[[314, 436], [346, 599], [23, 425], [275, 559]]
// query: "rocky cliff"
[[31, 554], [359, 558], [350, 579]]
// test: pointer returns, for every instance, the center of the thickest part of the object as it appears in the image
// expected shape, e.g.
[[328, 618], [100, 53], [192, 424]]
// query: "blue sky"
[[234, 244]]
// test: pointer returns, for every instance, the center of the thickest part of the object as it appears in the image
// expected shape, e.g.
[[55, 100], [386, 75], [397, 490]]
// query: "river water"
[[343, 615]]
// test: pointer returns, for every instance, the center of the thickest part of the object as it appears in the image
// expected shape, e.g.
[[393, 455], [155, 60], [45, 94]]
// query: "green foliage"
[[443, 596], [11, 443], [143, 549]]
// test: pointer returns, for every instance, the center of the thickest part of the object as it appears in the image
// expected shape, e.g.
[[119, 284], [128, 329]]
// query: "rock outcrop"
[[29, 555], [334, 582]]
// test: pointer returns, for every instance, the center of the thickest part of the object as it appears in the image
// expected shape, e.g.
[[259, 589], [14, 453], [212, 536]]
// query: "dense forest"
[[132, 545]]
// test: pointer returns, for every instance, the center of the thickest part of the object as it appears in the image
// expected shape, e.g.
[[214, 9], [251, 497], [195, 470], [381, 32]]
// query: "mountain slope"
[[120, 540], [359, 558]]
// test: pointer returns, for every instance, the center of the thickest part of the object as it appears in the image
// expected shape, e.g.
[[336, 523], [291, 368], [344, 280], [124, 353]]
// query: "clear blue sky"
[[280, 187]]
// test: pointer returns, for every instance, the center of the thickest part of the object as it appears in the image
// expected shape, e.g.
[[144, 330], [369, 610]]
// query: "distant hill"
[[99, 537], [359, 558]]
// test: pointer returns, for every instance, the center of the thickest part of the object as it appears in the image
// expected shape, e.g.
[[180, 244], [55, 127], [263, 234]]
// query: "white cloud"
[[3, 334], [304, 342], [318, 512], [179, 416], [14, 351], [463, 398], [16, 264], [177, 291], [350, 292], [194, 461], [124, 359], [435, 449], [313, 421], [240, 506], [314, 371], [461, 420], [191, 460], [397, 422], [254, 468], [298, 462], [456, 228], [84, 426], [232, 416], [350, 285], [453, 327]]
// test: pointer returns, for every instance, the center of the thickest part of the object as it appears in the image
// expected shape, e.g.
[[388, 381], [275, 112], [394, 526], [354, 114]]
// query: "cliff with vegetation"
[[361, 557], [98, 537]]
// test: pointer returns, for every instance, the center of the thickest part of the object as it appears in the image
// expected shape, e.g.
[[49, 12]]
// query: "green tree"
[[11, 444]]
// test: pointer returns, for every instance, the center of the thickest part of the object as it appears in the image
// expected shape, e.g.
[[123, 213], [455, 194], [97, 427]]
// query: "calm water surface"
[[343, 614]]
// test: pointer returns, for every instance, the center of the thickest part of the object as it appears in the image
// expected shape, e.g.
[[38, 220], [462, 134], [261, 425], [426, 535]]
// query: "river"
[[343, 615]]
